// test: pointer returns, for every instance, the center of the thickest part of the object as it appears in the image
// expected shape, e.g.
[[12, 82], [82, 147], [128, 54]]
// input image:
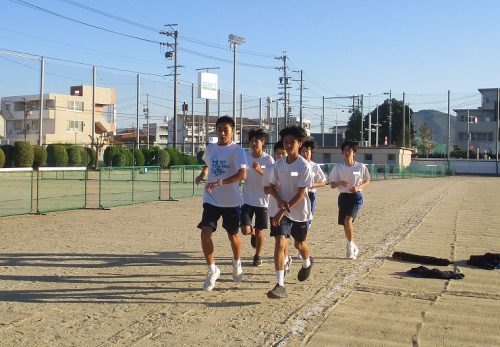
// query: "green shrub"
[[2, 158], [83, 156], [74, 157], [139, 159], [128, 155], [119, 159], [40, 153], [57, 155], [164, 158], [8, 150], [187, 159], [109, 153], [175, 156], [199, 157], [23, 154], [90, 155]]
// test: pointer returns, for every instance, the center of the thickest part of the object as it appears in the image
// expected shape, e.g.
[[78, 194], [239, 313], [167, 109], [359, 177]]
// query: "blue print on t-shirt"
[[218, 166]]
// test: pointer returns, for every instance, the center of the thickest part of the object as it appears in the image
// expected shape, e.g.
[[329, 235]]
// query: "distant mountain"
[[438, 122]]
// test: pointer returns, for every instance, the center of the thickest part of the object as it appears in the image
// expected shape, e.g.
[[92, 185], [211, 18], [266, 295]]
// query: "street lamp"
[[235, 40]]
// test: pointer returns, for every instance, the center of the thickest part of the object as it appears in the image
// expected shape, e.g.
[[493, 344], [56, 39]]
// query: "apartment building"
[[66, 118], [477, 126]]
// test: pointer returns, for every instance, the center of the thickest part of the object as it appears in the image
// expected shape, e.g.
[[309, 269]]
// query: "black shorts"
[[247, 213], [349, 205], [312, 198], [230, 218], [289, 227]]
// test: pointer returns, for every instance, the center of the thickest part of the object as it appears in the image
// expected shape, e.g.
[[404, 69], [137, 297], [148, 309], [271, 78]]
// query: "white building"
[[158, 132], [482, 123], [66, 118]]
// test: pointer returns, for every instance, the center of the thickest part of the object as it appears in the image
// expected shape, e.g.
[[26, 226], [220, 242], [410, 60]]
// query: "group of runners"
[[279, 193]]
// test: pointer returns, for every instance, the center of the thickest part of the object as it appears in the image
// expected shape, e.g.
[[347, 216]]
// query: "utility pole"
[[192, 119], [449, 131], [175, 34], [234, 41], [40, 116], [404, 120], [146, 114], [284, 84], [369, 121], [301, 88]]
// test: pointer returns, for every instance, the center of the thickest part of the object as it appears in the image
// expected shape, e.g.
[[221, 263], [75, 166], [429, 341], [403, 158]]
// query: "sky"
[[422, 48]]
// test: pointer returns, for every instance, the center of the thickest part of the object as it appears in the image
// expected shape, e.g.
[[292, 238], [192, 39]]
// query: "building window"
[[74, 125], [18, 125], [368, 158], [391, 158], [75, 105], [327, 158]]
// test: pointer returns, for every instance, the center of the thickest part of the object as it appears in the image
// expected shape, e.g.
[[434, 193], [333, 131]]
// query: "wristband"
[[220, 182]]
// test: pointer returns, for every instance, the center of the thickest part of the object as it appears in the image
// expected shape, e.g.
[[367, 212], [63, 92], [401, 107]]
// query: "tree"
[[354, 124], [425, 144]]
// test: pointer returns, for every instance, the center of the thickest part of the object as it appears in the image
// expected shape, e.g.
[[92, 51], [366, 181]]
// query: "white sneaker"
[[237, 273], [352, 250], [209, 283], [288, 264]]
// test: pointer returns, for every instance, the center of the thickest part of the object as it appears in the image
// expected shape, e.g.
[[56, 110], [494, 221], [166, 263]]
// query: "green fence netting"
[[61, 188], [182, 181], [128, 185], [16, 190]]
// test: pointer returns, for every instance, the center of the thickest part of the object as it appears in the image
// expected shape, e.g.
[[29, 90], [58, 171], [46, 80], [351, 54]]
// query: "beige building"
[[369, 155], [66, 118]]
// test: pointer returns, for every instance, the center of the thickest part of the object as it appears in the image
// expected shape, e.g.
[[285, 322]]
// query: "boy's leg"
[[349, 228], [280, 246], [207, 244], [231, 222], [235, 241], [299, 233], [259, 235]]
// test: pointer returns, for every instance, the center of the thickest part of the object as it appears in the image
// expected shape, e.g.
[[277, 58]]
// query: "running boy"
[[350, 177], [225, 163], [255, 200], [290, 178], [319, 178]]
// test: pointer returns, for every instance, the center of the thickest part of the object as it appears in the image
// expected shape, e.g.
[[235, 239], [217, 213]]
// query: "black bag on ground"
[[488, 261], [422, 259], [422, 271]]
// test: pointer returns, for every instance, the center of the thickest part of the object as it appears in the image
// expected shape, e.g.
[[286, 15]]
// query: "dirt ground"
[[132, 275]]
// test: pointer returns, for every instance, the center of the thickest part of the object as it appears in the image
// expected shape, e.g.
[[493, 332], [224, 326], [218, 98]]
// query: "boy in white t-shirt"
[[290, 178], [350, 177], [319, 177], [225, 163], [255, 199]]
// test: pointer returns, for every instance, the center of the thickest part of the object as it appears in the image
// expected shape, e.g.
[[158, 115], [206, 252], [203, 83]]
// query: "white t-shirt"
[[224, 162], [318, 175], [291, 177], [354, 174], [272, 207], [253, 190]]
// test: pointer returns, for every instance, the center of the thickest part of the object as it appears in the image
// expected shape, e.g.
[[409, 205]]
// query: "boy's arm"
[[202, 175], [362, 185], [299, 196], [283, 205], [256, 166], [236, 178]]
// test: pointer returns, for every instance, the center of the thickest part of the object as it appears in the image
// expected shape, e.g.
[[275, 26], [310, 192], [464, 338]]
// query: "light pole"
[[389, 119], [235, 40]]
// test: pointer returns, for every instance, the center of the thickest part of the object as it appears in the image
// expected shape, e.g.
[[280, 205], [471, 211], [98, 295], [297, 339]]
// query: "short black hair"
[[294, 130], [309, 143], [278, 145], [225, 119], [259, 134], [351, 144]]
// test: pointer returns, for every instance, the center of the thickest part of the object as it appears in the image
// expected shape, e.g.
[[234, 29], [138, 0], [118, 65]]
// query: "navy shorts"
[[230, 218], [349, 205], [288, 227], [312, 198], [247, 213]]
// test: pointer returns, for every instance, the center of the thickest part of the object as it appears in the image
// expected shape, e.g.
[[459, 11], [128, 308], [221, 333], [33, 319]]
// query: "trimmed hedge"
[[129, 156], [74, 157], [109, 153], [163, 158], [139, 159], [23, 154], [119, 159], [175, 156], [90, 155], [57, 155], [40, 156], [8, 150], [187, 159], [2, 158], [199, 157]]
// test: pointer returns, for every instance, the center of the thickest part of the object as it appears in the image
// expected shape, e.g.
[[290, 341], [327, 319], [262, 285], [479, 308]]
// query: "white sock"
[[236, 262], [306, 262], [211, 268], [280, 277]]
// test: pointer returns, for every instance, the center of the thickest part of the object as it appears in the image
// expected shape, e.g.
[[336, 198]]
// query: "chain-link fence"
[[16, 190]]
